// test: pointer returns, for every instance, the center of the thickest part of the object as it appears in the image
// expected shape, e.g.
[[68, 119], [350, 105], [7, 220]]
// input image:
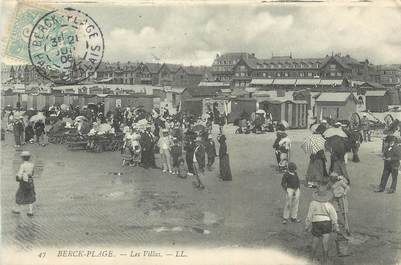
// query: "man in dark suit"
[[210, 151], [199, 161], [392, 156], [148, 144]]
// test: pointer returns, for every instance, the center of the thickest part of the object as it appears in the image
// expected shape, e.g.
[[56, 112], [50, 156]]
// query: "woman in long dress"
[[225, 170], [26, 191], [316, 169]]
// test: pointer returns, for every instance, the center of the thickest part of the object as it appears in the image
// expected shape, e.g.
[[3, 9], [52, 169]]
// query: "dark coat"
[[211, 148], [200, 155]]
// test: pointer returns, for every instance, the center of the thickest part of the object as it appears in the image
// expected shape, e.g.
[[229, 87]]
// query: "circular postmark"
[[66, 46]]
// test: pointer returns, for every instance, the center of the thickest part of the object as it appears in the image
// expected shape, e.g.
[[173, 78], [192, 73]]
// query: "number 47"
[[42, 254]]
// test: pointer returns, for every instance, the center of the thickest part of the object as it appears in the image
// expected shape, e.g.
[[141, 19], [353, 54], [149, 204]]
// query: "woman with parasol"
[[314, 147]]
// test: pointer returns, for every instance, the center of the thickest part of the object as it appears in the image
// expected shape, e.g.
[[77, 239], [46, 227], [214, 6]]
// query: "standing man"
[[199, 161], [147, 143], [365, 128], [210, 151], [18, 129], [391, 164]]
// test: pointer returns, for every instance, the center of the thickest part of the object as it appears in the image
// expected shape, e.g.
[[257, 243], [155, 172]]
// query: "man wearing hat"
[[199, 160], [392, 156], [18, 128], [26, 191], [148, 144], [210, 151]]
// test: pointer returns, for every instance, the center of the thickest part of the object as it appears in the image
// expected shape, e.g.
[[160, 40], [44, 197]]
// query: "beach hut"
[[294, 112], [377, 100], [339, 106]]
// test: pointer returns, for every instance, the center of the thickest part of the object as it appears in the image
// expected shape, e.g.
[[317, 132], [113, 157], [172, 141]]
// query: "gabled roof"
[[154, 68], [203, 91], [334, 97]]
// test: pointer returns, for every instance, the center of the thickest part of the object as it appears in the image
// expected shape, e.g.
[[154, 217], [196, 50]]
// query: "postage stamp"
[[66, 46], [25, 18]]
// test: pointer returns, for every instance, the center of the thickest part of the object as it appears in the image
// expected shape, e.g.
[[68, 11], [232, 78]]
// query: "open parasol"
[[199, 128], [285, 124], [313, 144], [336, 144], [334, 132], [80, 118], [64, 107], [38, 117]]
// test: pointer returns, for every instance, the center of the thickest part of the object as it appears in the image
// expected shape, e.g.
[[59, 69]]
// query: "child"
[[276, 146], [284, 147], [321, 219], [340, 188], [180, 170], [136, 148], [176, 153], [290, 184]]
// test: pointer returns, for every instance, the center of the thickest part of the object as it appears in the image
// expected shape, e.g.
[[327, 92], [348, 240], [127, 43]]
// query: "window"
[[279, 65], [236, 74], [242, 74], [339, 74], [278, 74], [286, 74], [242, 68], [333, 67], [301, 74], [332, 74], [264, 74], [310, 74]]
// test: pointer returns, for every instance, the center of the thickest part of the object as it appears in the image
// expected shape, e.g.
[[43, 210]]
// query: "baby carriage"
[[131, 151], [243, 127]]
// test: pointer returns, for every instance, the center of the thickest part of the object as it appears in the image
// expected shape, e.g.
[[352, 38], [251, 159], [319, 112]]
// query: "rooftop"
[[333, 97]]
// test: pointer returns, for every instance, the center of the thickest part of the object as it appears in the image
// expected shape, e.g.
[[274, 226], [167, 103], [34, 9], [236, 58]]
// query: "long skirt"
[[225, 170], [339, 167], [316, 170], [25, 193]]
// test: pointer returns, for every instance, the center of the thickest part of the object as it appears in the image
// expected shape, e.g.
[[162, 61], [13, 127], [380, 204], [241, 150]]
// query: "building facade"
[[389, 75], [151, 74], [241, 68]]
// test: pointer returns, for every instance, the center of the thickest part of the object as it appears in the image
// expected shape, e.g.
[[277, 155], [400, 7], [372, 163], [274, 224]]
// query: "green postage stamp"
[[19, 31]]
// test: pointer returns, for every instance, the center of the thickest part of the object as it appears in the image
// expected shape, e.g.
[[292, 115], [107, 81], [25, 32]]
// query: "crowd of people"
[[186, 146], [185, 143]]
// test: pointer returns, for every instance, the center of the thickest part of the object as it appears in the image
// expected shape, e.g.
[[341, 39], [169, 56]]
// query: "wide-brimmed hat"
[[165, 131], [25, 154], [322, 194], [198, 139]]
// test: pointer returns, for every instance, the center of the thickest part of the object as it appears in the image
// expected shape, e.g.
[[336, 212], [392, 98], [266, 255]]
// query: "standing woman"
[[26, 190], [225, 170]]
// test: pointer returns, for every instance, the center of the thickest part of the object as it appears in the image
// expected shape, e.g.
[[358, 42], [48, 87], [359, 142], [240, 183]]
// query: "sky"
[[194, 34]]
